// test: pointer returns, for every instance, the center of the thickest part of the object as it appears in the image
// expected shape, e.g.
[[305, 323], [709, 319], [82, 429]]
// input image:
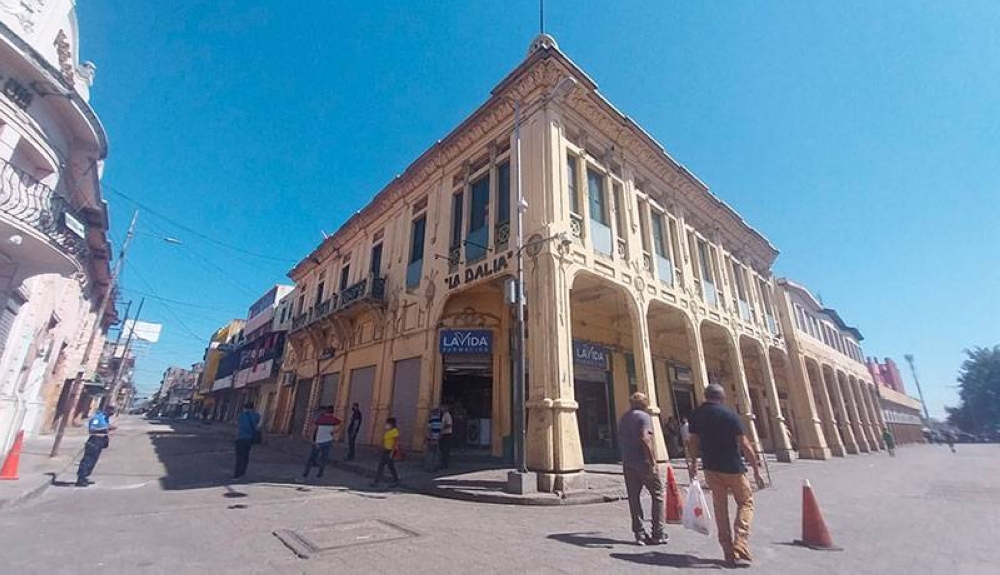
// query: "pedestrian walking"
[[353, 428], [325, 424], [685, 434], [717, 436], [447, 436], [950, 439], [390, 439], [672, 435], [635, 439], [247, 434], [432, 449], [890, 442], [99, 427]]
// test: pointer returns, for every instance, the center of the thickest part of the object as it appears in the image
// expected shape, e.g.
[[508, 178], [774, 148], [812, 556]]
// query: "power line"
[[170, 309], [195, 232], [176, 302]]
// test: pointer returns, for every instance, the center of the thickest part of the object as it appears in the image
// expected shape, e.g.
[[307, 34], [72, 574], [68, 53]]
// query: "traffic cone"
[[814, 532], [9, 470], [674, 507]]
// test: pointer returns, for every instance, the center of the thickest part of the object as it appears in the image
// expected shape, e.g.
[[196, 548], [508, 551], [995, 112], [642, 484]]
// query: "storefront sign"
[[479, 271], [478, 341], [590, 354]]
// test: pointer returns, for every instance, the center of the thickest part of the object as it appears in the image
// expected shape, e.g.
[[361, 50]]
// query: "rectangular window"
[[375, 266], [414, 268], [345, 276], [705, 265], [664, 267], [457, 207], [479, 206], [597, 196], [743, 300], [503, 193], [319, 292], [571, 183], [644, 225]]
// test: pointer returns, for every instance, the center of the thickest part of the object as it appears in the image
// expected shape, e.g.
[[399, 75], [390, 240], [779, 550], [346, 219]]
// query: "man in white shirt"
[[325, 423]]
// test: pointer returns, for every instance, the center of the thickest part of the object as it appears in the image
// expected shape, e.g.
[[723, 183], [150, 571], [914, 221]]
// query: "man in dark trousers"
[[100, 428], [635, 439], [717, 434], [353, 428], [325, 424], [447, 436], [247, 424]]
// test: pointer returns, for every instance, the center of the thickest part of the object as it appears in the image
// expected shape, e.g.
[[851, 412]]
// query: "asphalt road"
[[163, 504]]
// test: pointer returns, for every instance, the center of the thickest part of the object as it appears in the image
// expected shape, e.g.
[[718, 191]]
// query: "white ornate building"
[[54, 250]]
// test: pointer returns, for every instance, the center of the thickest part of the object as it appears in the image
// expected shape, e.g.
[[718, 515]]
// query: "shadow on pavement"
[[471, 484], [588, 539], [675, 560]]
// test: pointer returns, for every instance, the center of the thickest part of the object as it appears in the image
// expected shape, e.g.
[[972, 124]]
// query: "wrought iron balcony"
[[370, 289], [299, 321], [34, 204]]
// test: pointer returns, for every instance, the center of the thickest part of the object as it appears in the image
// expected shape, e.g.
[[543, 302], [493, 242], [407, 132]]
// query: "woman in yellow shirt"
[[389, 440]]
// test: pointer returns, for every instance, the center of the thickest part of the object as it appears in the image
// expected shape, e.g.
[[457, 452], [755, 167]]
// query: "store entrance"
[[597, 430], [467, 387]]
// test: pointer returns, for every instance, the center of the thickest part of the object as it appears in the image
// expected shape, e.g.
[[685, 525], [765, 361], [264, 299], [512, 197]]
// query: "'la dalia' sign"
[[466, 341]]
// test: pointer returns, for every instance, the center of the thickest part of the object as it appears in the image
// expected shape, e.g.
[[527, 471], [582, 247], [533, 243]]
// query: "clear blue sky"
[[863, 139]]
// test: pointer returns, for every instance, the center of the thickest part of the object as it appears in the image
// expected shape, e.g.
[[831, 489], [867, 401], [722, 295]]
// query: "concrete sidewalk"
[[37, 470], [472, 476]]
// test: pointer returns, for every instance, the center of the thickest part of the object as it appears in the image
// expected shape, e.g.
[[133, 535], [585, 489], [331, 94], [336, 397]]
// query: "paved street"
[[162, 504]]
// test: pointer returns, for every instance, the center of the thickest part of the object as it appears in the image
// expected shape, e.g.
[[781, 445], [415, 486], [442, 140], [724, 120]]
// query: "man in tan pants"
[[717, 434]]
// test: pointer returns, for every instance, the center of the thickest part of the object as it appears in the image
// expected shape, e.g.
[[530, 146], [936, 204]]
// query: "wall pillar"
[[840, 405], [853, 410], [782, 444], [742, 400], [812, 442], [553, 446], [644, 372], [825, 410]]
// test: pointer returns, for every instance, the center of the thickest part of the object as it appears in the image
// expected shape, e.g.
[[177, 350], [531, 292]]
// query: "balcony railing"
[[299, 321], [36, 205], [371, 288]]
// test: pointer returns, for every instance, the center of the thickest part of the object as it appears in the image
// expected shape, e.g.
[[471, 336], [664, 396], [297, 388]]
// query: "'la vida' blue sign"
[[590, 354], [466, 341]]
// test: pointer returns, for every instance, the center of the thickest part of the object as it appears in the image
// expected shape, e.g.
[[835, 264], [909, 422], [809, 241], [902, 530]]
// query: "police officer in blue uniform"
[[99, 427]]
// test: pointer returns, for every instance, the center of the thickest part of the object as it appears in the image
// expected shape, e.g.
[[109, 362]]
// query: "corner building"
[[637, 278]]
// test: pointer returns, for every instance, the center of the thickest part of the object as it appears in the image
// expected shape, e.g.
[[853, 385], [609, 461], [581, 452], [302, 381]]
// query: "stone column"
[[839, 403], [871, 434], [825, 409], [742, 400], [878, 417], [812, 442], [699, 372], [553, 446], [782, 444], [644, 370], [853, 410]]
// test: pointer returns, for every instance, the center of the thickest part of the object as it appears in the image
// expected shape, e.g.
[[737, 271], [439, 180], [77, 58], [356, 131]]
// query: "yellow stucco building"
[[637, 277]]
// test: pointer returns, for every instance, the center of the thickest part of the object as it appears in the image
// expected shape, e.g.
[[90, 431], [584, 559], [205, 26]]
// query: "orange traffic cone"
[[814, 532], [674, 507], [9, 470]]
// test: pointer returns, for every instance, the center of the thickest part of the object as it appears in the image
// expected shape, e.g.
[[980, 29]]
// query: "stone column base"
[[785, 455], [838, 450], [550, 482], [821, 453], [851, 448]]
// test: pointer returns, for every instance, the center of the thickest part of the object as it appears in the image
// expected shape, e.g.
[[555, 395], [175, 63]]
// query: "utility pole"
[[520, 368], [116, 379], [74, 395], [118, 341], [913, 370]]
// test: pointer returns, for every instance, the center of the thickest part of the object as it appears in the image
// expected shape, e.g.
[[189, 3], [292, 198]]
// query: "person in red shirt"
[[325, 424]]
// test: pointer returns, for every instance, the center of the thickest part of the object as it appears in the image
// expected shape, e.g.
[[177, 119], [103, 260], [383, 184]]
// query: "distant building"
[[886, 374]]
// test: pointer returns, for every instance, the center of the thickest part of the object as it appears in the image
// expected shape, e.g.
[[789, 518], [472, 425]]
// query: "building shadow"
[[471, 484], [675, 560], [588, 540]]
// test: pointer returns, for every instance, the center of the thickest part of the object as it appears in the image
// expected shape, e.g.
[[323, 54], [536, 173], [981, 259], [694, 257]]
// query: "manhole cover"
[[310, 541]]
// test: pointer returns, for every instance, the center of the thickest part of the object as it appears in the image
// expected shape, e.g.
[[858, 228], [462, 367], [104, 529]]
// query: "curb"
[[35, 492]]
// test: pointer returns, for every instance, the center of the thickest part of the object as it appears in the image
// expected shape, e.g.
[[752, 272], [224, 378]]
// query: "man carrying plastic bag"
[[717, 434]]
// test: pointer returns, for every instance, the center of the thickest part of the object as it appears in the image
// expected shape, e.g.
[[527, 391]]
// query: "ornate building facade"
[[54, 251], [637, 277]]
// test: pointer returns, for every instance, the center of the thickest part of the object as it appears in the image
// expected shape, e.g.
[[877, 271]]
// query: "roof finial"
[[541, 16]]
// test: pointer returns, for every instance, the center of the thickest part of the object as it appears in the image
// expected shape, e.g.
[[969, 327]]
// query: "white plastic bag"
[[696, 516]]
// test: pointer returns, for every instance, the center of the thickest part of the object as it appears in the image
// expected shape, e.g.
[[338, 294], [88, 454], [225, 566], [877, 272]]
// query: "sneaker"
[[660, 540], [641, 538]]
